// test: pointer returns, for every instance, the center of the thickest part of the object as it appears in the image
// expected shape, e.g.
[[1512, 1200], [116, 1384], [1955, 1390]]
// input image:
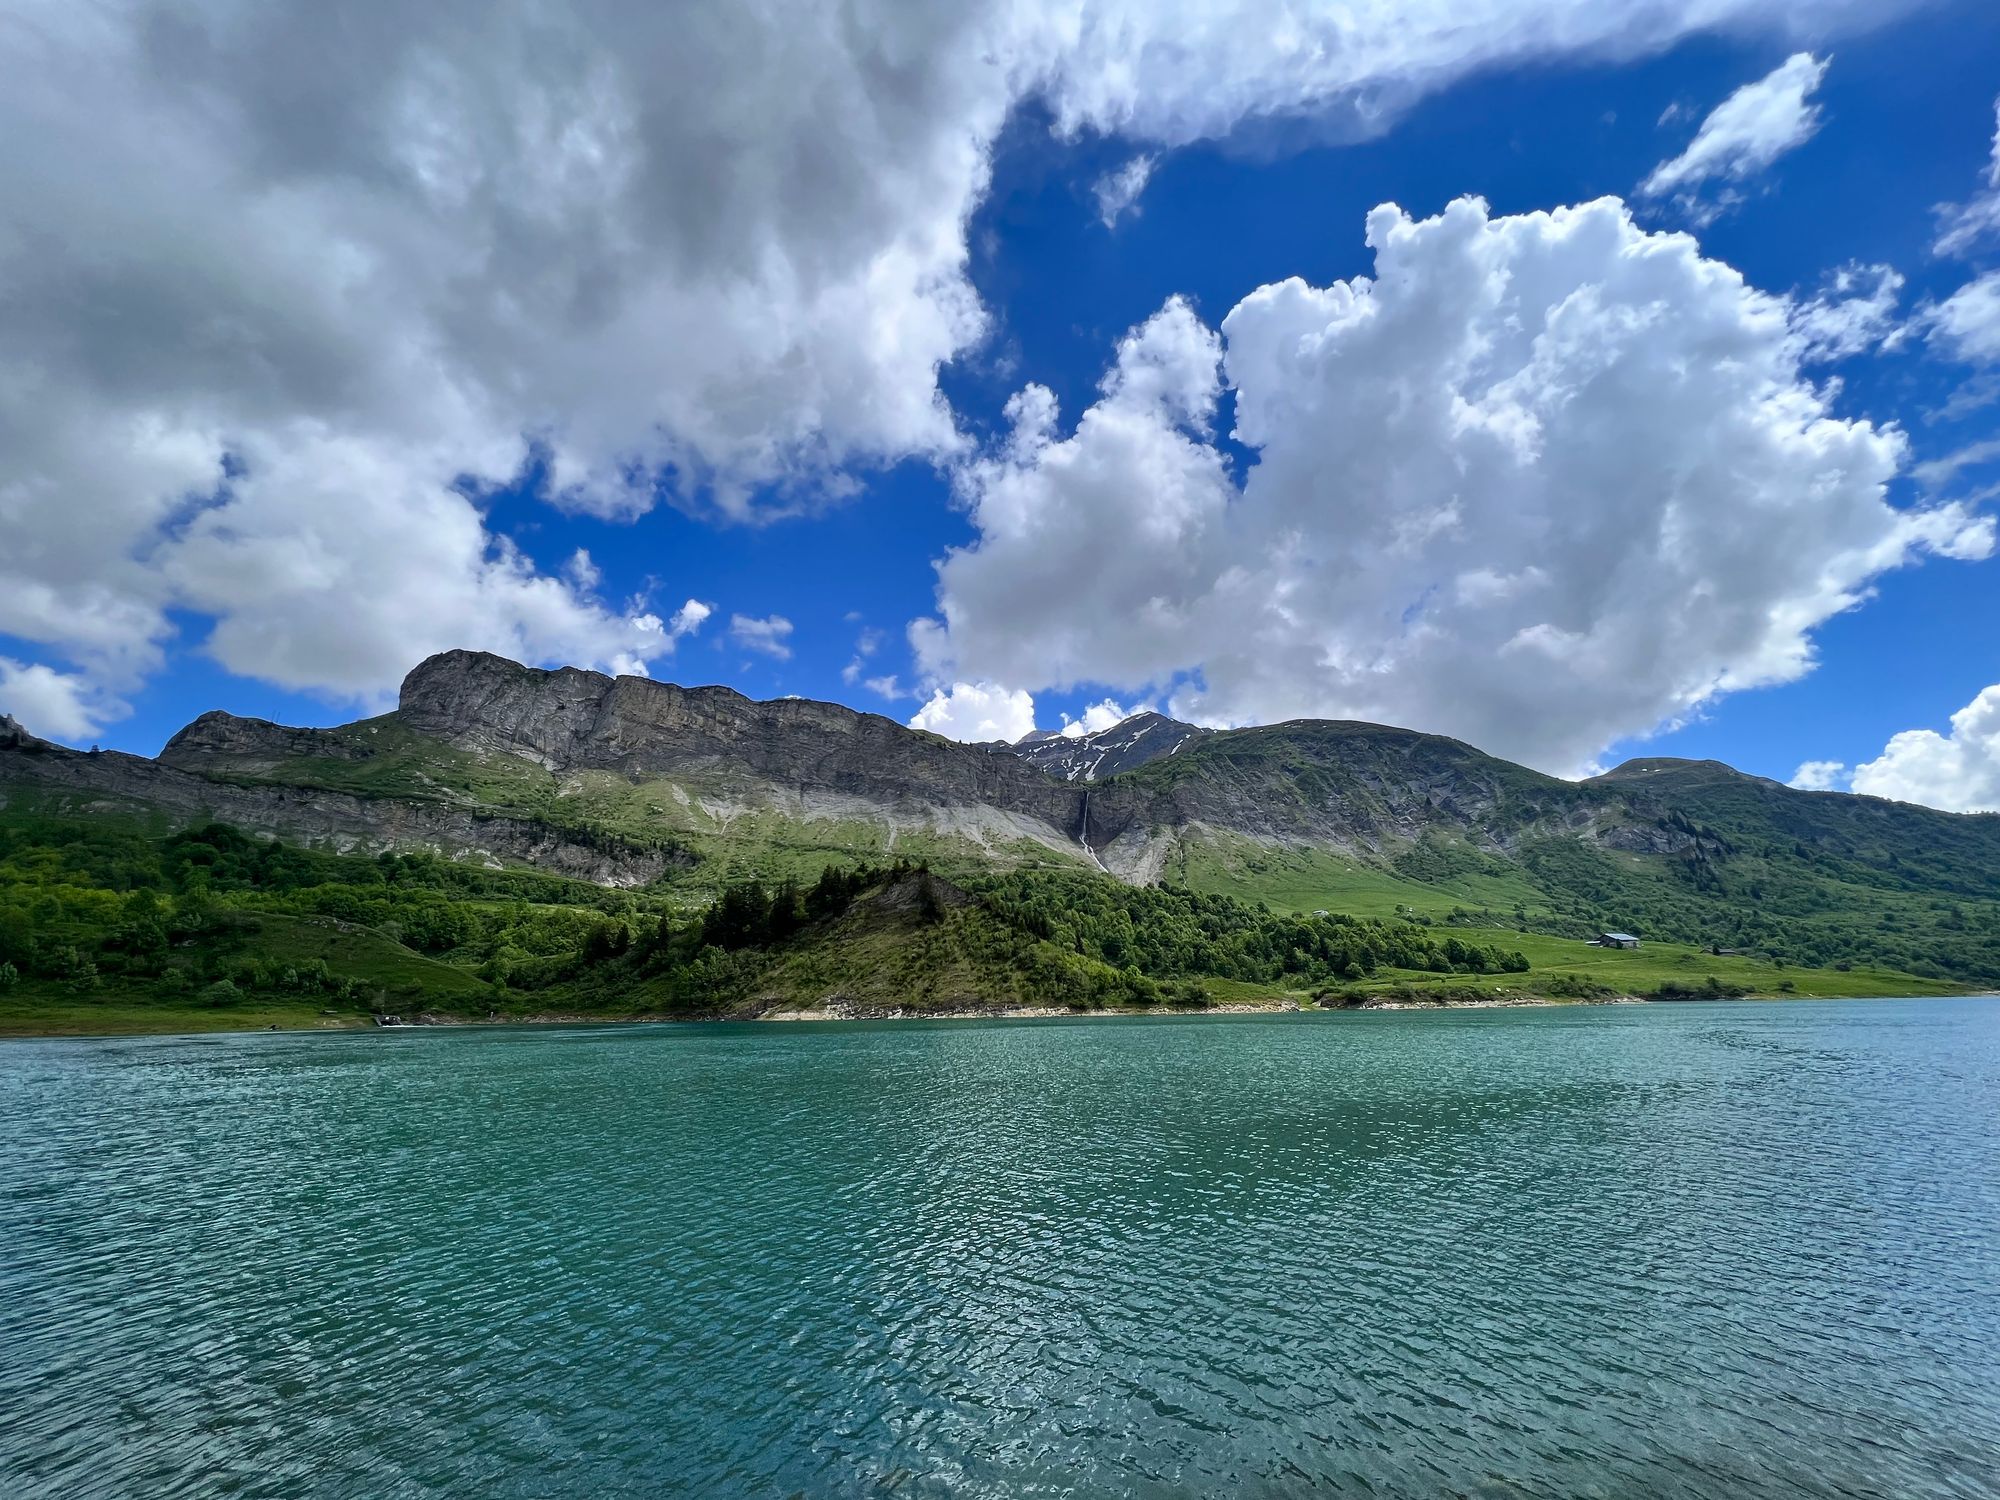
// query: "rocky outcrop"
[[14, 737], [58, 779], [570, 720], [217, 738], [1354, 787]]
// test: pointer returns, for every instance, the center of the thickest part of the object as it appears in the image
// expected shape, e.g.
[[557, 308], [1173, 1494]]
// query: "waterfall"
[[1083, 835]]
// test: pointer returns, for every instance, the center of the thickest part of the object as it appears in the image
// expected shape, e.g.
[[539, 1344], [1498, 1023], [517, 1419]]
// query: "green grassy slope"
[[1363, 819], [104, 929], [1564, 889], [1431, 877], [387, 977], [1567, 968]]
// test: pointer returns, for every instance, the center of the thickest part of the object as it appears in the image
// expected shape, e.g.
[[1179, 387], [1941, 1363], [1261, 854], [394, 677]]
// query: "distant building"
[[1614, 940]]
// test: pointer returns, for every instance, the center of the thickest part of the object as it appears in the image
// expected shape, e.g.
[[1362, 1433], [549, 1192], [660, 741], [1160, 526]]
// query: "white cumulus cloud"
[[1856, 312], [689, 618], [769, 636], [1745, 133], [1544, 482], [1819, 776], [331, 566], [281, 278], [55, 705], [1959, 771], [976, 712], [1103, 715]]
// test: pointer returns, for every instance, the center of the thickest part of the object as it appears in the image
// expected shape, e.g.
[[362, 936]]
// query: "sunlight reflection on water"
[[1662, 1251]]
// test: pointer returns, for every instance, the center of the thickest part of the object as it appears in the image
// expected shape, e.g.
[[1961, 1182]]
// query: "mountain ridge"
[[628, 781]]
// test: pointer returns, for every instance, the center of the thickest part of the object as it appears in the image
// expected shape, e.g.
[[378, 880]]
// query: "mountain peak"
[[1679, 769], [1124, 746]]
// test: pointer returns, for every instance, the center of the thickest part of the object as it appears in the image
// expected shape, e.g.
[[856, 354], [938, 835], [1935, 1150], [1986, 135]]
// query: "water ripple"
[[1675, 1251]]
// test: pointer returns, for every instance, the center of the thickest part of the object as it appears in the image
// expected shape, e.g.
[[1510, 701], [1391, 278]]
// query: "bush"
[[9, 977], [1712, 989], [1574, 987], [221, 993]]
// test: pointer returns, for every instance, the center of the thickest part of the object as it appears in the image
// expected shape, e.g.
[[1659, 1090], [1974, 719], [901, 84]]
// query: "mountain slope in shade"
[[1125, 746]]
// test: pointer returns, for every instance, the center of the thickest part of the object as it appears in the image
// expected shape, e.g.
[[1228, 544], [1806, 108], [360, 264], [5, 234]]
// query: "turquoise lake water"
[[1704, 1250]]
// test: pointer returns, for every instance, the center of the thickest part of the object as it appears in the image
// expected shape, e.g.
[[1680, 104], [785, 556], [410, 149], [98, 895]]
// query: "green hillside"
[[120, 927], [1364, 819]]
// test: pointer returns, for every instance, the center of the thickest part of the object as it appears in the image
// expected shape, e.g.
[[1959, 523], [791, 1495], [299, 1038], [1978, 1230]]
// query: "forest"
[[93, 911], [210, 915]]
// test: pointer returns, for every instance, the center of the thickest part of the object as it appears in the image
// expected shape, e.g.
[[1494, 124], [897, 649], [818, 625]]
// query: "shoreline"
[[177, 1024], [1225, 1008]]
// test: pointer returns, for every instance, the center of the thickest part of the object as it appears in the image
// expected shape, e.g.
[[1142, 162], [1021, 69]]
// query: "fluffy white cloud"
[[1117, 192], [1819, 776], [1544, 482], [332, 566], [770, 636], [1745, 133], [1856, 312], [1104, 715], [363, 256], [1103, 549], [1959, 771], [1967, 322], [976, 712], [689, 618], [55, 705], [718, 252], [1964, 225]]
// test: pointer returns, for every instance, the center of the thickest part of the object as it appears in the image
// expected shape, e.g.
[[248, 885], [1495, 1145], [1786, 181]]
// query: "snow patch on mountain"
[[1124, 746]]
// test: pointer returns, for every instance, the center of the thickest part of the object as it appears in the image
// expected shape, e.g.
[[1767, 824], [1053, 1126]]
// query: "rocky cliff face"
[[220, 740], [1347, 786], [570, 720], [55, 779]]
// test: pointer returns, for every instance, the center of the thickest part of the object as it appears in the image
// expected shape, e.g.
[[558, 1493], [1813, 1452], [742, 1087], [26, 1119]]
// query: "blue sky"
[[845, 545]]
